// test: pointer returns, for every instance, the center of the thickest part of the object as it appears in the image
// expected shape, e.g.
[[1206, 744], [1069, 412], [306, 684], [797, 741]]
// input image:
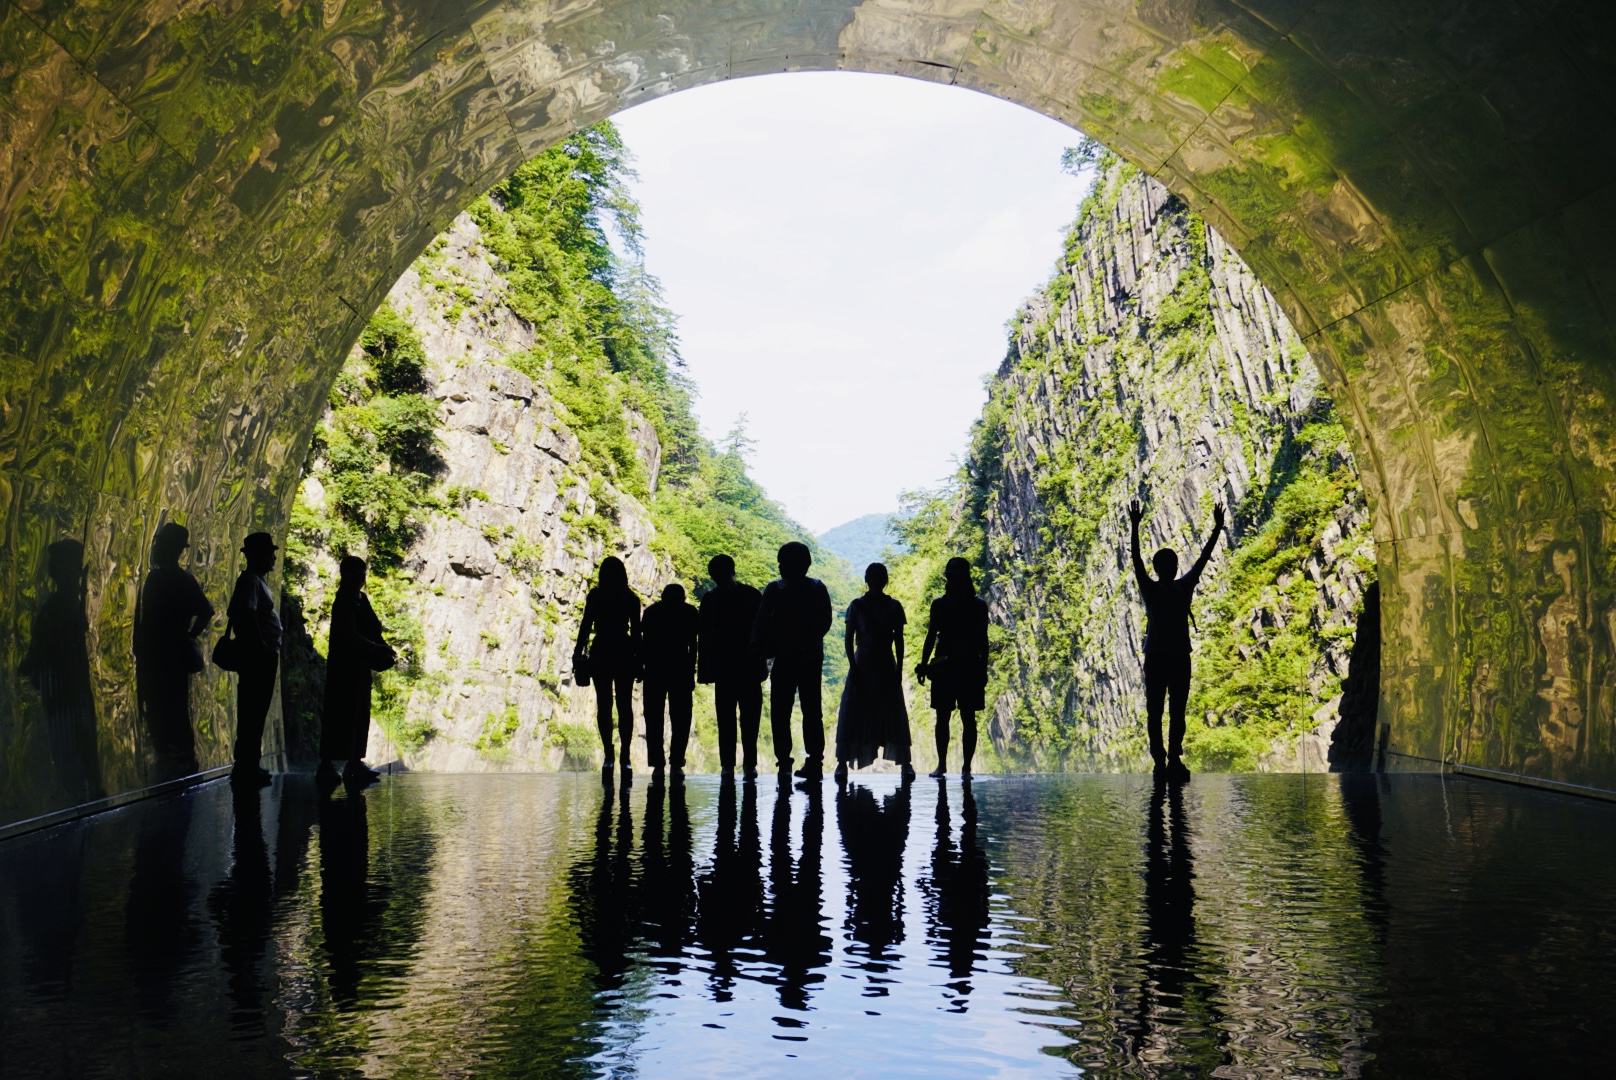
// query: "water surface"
[[493, 926]]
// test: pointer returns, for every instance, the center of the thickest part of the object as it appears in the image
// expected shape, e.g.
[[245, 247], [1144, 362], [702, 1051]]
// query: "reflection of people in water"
[[730, 891], [955, 659], [357, 649], [58, 665], [603, 896], [667, 878], [1167, 600], [957, 896], [668, 648], [794, 937], [242, 905], [873, 836], [1170, 996], [608, 649], [873, 718], [728, 662], [344, 914], [172, 614]]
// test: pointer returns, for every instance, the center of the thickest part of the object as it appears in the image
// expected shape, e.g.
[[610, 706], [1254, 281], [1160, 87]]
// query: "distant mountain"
[[863, 540]]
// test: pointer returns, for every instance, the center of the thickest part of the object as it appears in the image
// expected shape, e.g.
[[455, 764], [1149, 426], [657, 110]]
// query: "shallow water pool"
[[505, 925]]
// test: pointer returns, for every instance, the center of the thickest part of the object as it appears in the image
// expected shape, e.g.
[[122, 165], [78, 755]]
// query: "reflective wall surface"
[[540, 925], [200, 205]]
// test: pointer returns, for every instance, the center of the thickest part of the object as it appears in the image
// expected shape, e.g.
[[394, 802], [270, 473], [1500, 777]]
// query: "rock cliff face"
[[1155, 365], [499, 574]]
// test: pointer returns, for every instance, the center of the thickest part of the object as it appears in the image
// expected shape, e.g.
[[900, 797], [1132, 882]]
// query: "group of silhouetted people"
[[739, 637], [173, 614]]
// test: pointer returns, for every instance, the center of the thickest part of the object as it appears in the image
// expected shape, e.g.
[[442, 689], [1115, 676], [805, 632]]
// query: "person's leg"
[[1155, 692], [725, 704], [967, 740], [603, 715], [680, 706], [782, 691], [749, 698], [255, 689], [809, 686], [625, 717], [941, 739], [655, 696], [1178, 696]]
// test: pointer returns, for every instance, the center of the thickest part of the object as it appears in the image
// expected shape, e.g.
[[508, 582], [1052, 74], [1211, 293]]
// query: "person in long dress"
[[873, 721], [357, 649], [955, 659], [609, 650]]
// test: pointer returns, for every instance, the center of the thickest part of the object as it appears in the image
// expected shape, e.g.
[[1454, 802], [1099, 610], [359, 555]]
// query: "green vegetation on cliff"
[[604, 351], [1152, 365]]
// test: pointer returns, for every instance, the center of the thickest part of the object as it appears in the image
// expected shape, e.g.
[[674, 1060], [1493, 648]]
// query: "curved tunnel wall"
[[200, 204]]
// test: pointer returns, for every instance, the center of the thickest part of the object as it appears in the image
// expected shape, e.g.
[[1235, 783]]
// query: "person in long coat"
[[873, 716], [357, 649], [608, 650], [170, 617], [955, 659]]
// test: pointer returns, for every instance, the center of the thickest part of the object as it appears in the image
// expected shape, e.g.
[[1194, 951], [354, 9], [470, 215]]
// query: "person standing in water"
[[873, 720], [955, 659], [608, 650], [356, 650], [727, 661], [792, 622], [1167, 600], [668, 644]]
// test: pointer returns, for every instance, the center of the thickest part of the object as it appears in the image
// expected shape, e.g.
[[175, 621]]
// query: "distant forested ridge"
[[1152, 365], [516, 411], [863, 540]]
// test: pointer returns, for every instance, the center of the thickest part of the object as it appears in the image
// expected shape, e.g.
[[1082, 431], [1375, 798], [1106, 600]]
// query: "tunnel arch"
[[200, 205]]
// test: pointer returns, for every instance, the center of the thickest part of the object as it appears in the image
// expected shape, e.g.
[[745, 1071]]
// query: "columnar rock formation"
[[1155, 365]]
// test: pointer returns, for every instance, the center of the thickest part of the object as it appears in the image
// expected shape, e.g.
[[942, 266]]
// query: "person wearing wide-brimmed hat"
[[256, 624]]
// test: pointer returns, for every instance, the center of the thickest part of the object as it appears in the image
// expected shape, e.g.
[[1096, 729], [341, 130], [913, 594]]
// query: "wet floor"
[[490, 926]]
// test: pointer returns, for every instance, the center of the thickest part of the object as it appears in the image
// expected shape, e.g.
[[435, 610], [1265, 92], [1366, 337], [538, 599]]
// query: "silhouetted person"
[[58, 665], [256, 624], [357, 648], [794, 937], [1167, 640], [873, 719], [170, 617], [729, 905], [668, 634], [728, 662], [959, 896], [608, 650], [792, 622], [873, 836], [955, 659]]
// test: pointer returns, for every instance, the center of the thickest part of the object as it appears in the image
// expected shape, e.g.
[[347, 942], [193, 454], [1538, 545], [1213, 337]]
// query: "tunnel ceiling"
[[201, 202]]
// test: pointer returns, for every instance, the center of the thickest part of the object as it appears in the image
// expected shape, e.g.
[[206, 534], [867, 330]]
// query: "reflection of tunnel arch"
[[198, 210]]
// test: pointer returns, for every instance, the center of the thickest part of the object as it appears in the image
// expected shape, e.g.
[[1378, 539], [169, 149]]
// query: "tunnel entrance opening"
[[198, 210]]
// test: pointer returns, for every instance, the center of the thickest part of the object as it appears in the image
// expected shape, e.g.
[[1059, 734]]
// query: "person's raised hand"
[[1135, 511], [1217, 516]]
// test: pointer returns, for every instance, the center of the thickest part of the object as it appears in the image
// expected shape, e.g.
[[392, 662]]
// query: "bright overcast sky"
[[843, 251]]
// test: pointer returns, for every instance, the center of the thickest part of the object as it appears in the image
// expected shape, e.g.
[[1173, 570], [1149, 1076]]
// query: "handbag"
[[384, 658], [580, 669], [227, 650]]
